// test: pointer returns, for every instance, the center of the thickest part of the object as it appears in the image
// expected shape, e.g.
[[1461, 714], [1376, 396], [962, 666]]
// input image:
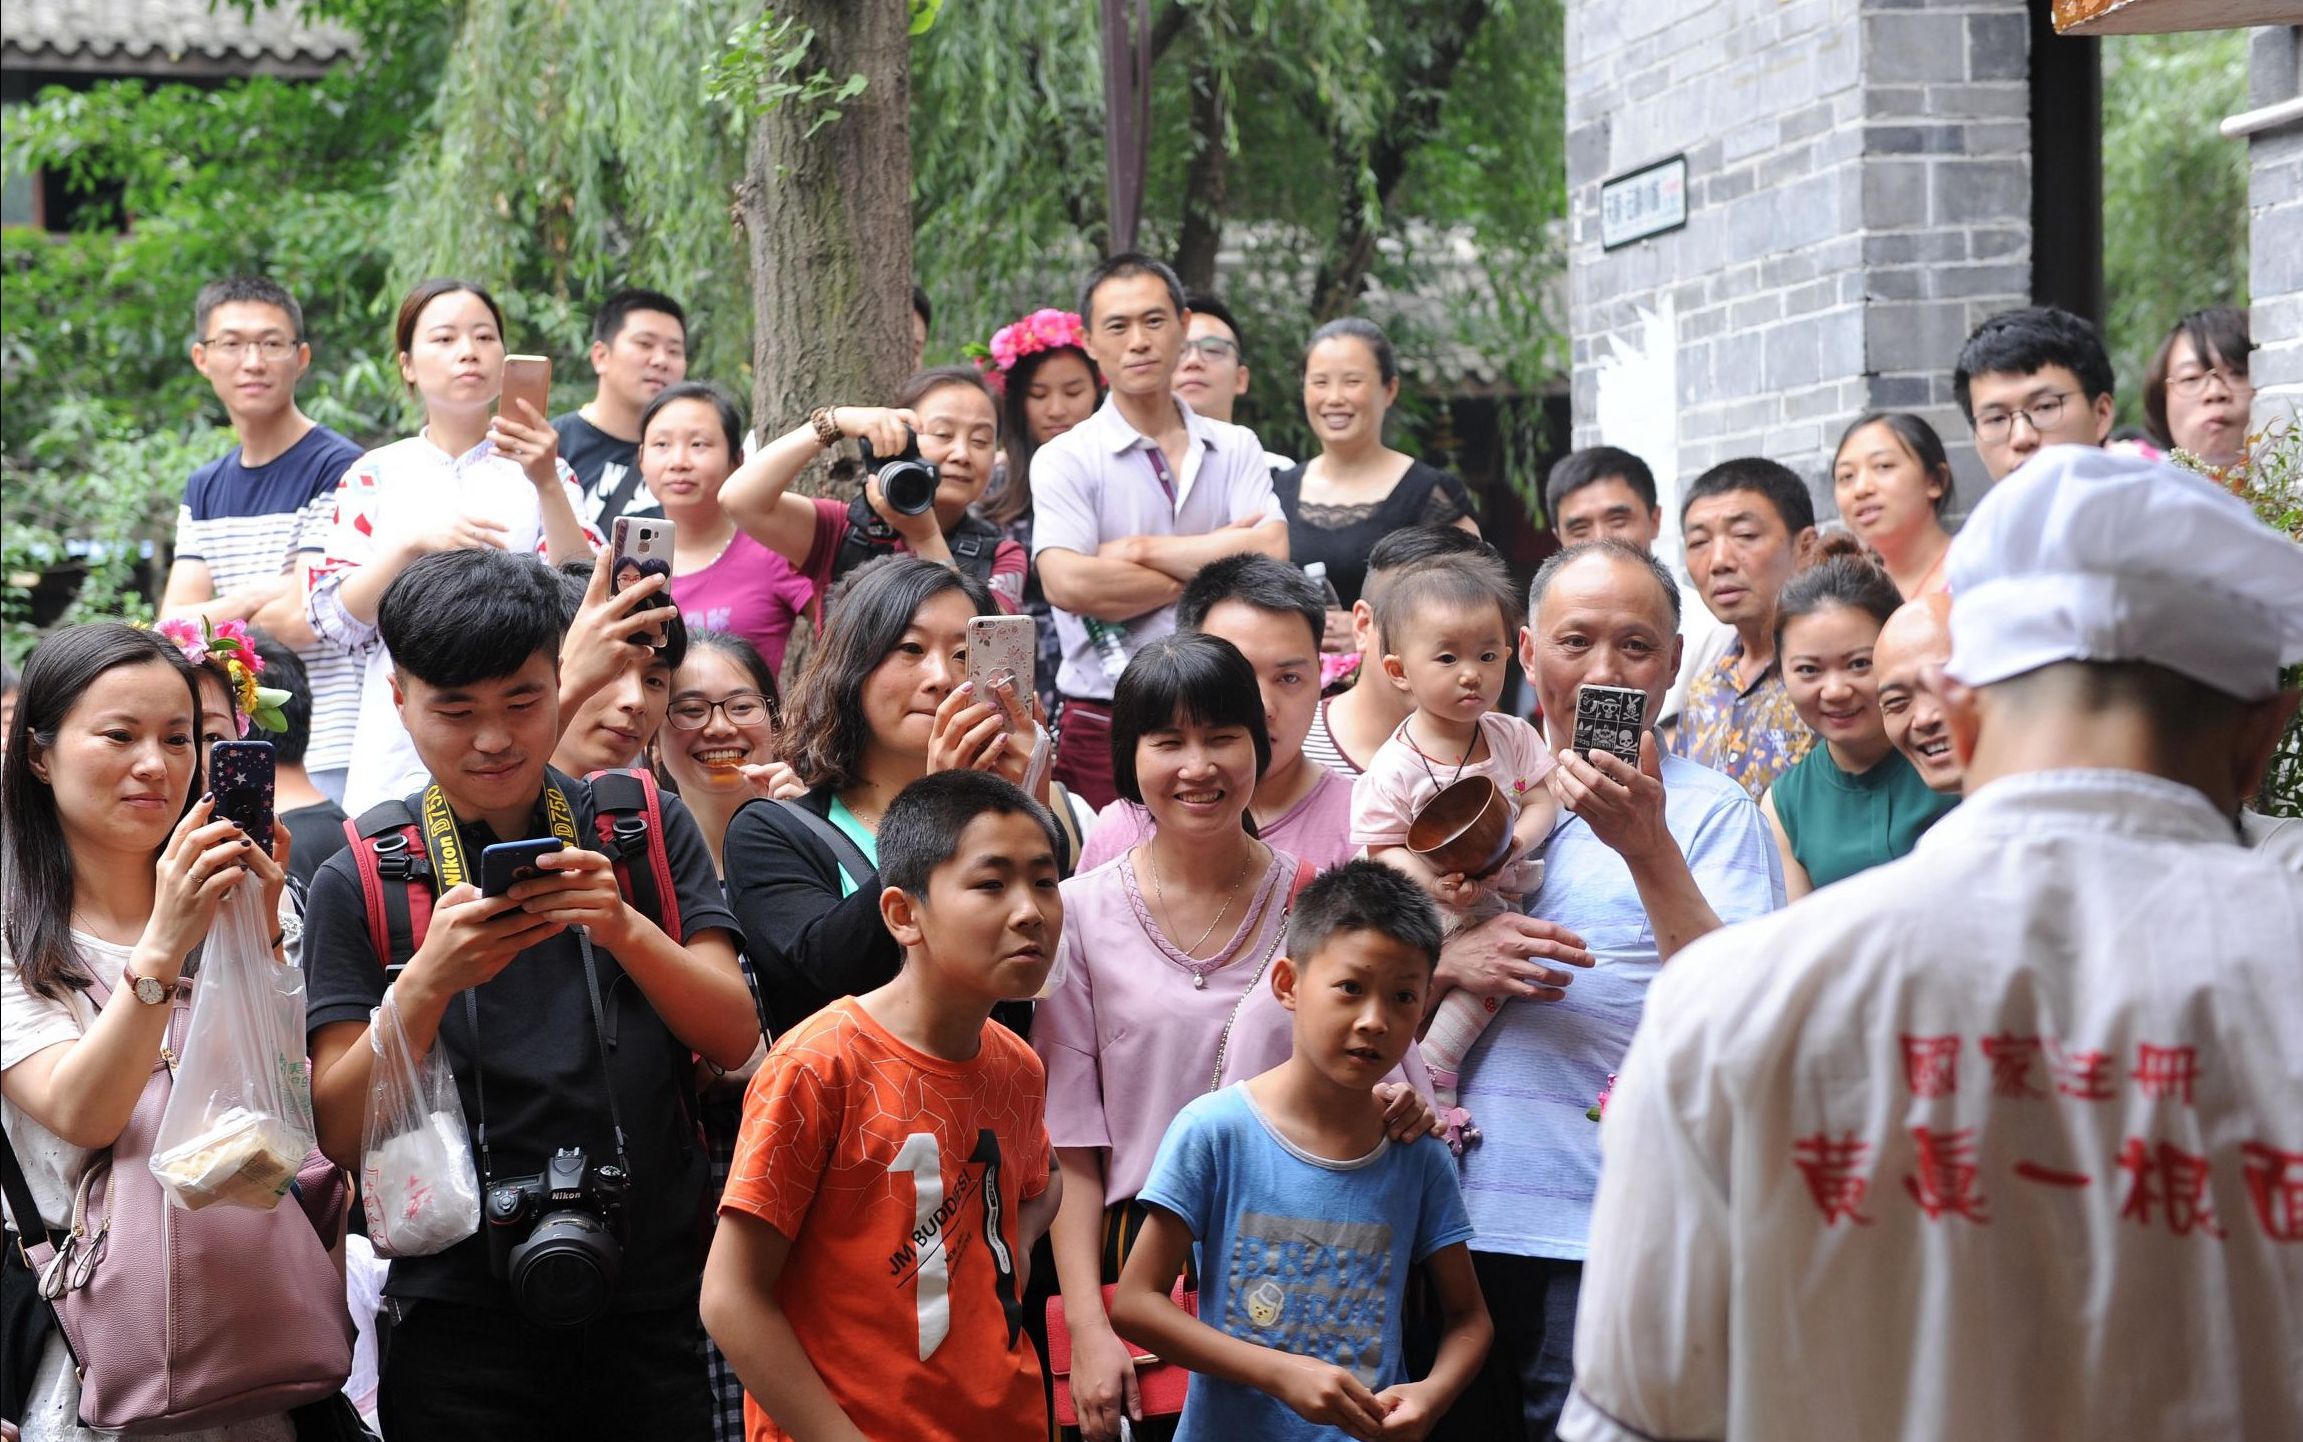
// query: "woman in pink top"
[[1162, 949], [691, 436]]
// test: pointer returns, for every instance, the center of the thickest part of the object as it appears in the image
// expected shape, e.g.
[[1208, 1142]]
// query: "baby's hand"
[[1457, 889]]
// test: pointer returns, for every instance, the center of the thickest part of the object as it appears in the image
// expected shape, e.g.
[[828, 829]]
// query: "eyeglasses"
[[745, 708], [230, 348], [2190, 385], [2044, 412], [1213, 347]]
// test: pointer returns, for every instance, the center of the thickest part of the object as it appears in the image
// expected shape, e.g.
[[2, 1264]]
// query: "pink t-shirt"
[[1317, 828], [1399, 781], [1128, 1040], [749, 590]]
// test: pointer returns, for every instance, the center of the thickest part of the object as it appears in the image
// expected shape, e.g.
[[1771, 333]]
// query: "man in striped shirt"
[[240, 526]]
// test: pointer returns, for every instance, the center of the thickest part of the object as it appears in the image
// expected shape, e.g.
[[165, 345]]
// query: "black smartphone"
[[240, 775], [509, 862], [1610, 718]]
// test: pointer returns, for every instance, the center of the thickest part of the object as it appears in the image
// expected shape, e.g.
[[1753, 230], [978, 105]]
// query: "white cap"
[[2084, 554]]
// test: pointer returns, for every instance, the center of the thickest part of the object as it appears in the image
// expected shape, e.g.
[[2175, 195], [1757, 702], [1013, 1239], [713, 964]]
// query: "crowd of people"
[[843, 1065]]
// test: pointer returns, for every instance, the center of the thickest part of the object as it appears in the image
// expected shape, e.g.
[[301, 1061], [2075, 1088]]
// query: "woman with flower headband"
[[1039, 367]]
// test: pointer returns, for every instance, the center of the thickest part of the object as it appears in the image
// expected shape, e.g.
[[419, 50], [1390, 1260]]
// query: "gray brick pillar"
[[2275, 227], [1859, 196]]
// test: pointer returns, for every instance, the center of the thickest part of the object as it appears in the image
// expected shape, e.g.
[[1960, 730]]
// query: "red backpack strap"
[[628, 817], [395, 881], [1304, 872]]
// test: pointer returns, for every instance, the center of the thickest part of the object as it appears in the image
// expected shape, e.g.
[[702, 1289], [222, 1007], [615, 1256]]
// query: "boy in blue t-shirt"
[[1306, 1216]]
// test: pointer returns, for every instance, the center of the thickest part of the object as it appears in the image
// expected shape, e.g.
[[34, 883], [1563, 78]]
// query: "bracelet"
[[827, 429]]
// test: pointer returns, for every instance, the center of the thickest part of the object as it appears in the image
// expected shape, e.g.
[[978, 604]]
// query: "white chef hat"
[[2088, 555]]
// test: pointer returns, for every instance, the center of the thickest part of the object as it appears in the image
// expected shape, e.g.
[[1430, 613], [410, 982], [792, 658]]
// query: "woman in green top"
[[1854, 802]]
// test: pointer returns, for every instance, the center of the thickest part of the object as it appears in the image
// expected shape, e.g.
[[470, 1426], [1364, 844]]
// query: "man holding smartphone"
[[547, 1073], [1651, 857]]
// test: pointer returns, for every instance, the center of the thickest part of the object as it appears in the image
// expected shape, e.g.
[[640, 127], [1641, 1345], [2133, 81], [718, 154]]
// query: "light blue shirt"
[[1297, 1252], [1540, 1067]]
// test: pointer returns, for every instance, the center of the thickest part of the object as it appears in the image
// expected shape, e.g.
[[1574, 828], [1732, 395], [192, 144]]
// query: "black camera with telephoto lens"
[[907, 481], [558, 1237]]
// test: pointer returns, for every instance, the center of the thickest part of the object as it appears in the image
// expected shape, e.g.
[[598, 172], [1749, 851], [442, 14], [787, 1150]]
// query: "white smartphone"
[[1002, 648]]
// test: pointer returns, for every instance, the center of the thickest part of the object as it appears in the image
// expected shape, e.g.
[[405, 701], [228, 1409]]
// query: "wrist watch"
[[149, 990]]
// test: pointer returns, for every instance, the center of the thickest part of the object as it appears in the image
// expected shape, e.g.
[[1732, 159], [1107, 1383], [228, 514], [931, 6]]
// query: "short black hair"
[[921, 830], [1615, 550], [1362, 896], [1779, 483], [1252, 579], [1590, 466], [248, 290], [608, 320], [2027, 340], [1203, 679], [575, 578], [711, 393], [455, 618], [2216, 333], [1459, 582], [1199, 302], [1120, 267], [284, 671], [1416, 545], [921, 308]]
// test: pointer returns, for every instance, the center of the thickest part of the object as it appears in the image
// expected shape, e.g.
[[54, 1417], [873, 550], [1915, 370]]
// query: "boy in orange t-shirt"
[[893, 1170]]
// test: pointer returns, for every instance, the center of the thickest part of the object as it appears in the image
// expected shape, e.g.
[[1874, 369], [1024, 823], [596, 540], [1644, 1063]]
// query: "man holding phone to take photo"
[[1651, 857], [553, 1081]]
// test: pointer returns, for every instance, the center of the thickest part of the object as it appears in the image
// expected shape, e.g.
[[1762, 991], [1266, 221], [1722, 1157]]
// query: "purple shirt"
[[1317, 828], [749, 590], [1096, 483]]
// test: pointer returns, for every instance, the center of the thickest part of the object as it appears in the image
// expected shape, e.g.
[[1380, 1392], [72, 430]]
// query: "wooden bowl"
[[1465, 828]]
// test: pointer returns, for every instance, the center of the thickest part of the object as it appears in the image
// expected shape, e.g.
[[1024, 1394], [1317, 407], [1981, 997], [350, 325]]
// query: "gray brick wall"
[[1859, 185], [2275, 228]]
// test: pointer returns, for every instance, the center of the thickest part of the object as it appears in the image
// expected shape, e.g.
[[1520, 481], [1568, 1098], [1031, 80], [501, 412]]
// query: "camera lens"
[[909, 485], [562, 1274]]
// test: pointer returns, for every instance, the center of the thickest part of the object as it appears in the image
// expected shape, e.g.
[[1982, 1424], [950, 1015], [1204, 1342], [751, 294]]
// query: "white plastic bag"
[[418, 1185], [239, 1117]]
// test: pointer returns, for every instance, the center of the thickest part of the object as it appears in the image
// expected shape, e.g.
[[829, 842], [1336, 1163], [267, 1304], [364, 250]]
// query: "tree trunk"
[[1419, 93], [828, 220], [1206, 179]]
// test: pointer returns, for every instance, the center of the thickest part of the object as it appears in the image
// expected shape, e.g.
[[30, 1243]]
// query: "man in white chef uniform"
[[2004, 1140]]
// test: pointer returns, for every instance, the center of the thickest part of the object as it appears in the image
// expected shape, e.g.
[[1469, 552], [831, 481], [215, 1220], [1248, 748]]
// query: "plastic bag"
[[239, 1117], [418, 1184]]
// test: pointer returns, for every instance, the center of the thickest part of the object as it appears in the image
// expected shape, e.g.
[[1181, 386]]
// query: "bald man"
[[1915, 638]]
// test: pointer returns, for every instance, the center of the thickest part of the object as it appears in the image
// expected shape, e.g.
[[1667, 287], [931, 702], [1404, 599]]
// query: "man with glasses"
[[2032, 378], [1212, 374], [240, 524]]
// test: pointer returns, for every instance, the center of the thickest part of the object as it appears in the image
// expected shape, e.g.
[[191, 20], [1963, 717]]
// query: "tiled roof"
[[155, 36]]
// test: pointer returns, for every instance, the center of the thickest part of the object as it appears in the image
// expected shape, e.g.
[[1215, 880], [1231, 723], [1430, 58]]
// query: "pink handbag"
[[179, 1320]]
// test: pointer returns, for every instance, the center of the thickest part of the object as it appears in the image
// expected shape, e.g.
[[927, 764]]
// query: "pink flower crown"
[[227, 649], [1042, 330]]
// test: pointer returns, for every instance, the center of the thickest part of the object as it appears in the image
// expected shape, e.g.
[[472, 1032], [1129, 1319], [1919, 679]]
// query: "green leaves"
[[759, 69]]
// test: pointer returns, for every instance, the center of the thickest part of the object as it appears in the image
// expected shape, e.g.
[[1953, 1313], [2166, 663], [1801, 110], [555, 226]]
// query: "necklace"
[[1159, 889], [1407, 733]]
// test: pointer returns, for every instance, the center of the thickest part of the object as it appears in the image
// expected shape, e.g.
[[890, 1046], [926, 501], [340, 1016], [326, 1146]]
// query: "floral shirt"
[[1752, 733]]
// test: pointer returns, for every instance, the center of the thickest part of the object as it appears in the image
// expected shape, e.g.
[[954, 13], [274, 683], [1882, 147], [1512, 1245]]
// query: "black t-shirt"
[[543, 1071], [317, 833], [1342, 536], [607, 467]]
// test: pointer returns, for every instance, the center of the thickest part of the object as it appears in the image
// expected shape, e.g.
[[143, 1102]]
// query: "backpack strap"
[[395, 881], [842, 846], [628, 816]]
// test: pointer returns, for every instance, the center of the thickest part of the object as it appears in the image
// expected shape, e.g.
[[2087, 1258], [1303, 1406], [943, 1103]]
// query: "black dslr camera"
[[558, 1238], [907, 481]]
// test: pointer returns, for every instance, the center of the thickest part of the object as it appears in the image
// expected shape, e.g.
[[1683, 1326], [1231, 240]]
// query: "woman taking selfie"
[[691, 436], [1891, 481], [1163, 953], [469, 477], [1854, 802], [883, 700], [111, 876]]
